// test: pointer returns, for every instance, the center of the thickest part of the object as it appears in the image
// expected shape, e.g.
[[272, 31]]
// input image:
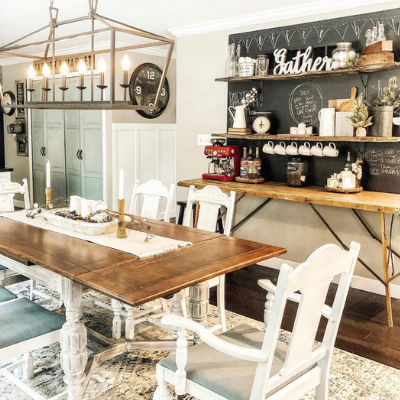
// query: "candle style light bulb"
[[101, 66], [64, 71], [31, 75], [126, 63], [46, 73], [81, 70]]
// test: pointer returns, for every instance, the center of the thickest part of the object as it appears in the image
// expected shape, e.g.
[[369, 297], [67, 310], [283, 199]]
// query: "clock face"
[[261, 125], [9, 99], [143, 89]]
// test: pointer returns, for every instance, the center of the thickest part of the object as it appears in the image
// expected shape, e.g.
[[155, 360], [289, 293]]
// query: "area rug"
[[132, 376]]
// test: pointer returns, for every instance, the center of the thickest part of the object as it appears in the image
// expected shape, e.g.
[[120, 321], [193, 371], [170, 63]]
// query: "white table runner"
[[133, 244]]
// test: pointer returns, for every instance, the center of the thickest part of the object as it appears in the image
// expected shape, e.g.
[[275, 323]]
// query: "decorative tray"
[[79, 226], [347, 191], [245, 180]]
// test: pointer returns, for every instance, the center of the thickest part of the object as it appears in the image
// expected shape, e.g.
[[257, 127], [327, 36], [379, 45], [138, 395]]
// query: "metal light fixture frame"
[[15, 49]]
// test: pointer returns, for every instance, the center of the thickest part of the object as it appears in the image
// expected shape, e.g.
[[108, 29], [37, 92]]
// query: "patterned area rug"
[[132, 376]]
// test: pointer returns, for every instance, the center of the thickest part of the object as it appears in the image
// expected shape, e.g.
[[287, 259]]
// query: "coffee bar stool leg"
[[386, 271], [73, 341]]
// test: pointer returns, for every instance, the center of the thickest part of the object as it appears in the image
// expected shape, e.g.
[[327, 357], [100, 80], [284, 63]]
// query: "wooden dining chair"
[[210, 200], [150, 195], [8, 190], [245, 363]]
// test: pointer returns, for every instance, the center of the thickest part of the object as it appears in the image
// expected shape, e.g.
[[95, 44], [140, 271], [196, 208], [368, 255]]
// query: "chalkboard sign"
[[305, 101]]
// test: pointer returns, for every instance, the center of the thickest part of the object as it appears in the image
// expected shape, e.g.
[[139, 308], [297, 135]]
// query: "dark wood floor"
[[363, 329]]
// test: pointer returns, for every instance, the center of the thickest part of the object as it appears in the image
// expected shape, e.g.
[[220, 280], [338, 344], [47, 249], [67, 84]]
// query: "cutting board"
[[347, 106]]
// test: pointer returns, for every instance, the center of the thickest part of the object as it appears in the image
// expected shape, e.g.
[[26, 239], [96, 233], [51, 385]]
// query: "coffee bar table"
[[69, 264]]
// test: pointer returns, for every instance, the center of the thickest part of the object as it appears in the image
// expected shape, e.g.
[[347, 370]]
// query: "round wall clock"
[[9, 99], [143, 89]]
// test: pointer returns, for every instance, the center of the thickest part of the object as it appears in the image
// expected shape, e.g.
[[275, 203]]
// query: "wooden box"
[[380, 47], [376, 59]]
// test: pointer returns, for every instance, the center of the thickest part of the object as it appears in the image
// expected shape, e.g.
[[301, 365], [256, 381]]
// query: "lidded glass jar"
[[343, 53], [296, 171]]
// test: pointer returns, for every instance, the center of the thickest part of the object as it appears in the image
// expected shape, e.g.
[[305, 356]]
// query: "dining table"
[[69, 264]]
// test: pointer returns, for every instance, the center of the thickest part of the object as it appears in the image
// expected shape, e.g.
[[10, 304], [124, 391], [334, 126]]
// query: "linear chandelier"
[[54, 69]]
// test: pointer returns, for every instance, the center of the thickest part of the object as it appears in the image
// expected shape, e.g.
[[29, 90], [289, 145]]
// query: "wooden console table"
[[369, 201]]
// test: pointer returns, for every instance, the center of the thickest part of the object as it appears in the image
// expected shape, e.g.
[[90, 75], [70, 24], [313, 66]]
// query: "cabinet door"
[[92, 154], [55, 151], [38, 159], [72, 152]]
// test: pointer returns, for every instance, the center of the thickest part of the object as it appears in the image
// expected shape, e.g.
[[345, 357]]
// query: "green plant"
[[389, 95], [360, 113]]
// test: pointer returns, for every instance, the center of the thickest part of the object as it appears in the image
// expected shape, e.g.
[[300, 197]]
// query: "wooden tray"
[[245, 180], [347, 191]]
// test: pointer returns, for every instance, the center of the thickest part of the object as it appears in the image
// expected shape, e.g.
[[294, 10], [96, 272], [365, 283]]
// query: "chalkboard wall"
[[294, 101]]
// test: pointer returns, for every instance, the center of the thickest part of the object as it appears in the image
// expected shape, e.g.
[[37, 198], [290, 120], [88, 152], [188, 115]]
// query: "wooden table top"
[[124, 276], [365, 200]]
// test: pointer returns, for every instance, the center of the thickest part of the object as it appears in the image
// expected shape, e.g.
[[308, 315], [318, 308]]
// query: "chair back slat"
[[8, 190]]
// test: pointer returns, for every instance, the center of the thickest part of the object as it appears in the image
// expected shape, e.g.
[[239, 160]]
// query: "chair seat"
[[21, 320], [223, 374], [6, 295], [3, 268]]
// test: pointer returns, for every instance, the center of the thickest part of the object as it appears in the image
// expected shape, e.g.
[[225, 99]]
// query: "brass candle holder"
[[121, 230], [48, 198]]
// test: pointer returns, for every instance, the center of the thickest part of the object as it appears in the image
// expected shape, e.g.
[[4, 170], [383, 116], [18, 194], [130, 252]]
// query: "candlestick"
[[121, 184], [48, 198], [125, 66], [48, 174], [31, 74], [121, 230]]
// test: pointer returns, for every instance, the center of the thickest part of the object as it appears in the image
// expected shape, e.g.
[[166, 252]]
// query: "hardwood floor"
[[363, 329]]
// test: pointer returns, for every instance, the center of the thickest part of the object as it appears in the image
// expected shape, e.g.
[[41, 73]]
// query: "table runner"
[[133, 244]]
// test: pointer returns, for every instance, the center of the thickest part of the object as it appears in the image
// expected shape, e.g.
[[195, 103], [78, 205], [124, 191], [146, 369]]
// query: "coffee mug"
[[305, 149], [330, 150], [332, 183], [292, 150], [280, 148], [326, 118], [317, 150], [268, 148]]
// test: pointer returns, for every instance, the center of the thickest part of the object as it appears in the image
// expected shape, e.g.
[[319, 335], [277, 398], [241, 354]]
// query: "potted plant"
[[382, 110], [360, 119]]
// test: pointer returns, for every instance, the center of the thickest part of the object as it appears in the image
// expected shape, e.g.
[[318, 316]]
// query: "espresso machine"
[[224, 162]]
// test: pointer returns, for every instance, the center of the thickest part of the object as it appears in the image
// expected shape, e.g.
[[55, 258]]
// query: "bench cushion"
[[3, 268], [6, 295], [228, 376], [21, 320]]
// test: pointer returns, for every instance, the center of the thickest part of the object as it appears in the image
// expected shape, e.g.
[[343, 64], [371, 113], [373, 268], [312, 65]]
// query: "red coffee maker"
[[224, 161]]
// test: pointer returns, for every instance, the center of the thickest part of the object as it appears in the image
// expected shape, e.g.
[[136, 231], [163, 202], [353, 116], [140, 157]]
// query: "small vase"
[[361, 131]]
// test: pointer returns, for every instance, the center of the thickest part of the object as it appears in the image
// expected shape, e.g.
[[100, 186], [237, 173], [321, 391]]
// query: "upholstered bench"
[[25, 326]]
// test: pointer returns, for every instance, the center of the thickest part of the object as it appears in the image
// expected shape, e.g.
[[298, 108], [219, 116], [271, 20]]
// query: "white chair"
[[151, 193], [245, 363], [8, 190], [210, 199], [25, 326]]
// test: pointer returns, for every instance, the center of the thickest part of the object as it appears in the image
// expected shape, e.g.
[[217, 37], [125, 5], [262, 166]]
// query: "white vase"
[[361, 131]]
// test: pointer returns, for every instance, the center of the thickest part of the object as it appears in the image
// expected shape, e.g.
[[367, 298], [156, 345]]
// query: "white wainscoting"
[[144, 151]]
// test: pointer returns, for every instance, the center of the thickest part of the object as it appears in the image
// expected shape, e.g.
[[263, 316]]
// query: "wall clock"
[[143, 89], [9, 99]]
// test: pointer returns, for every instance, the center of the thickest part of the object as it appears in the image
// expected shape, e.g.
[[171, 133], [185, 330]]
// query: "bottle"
[[243, 164], [381, 33], [230, 68], [257, 162], [237, 60], [347, 165], [251, 167]]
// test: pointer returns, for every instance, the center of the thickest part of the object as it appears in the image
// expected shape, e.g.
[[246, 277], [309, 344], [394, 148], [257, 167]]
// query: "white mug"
[[292, 150], [326, 118], [305, 149], [317, 150], [268, 148], [280, 148], [331, 150]]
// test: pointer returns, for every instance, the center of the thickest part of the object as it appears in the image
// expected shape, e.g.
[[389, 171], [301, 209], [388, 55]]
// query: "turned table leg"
[[73, 341], [198, 304]]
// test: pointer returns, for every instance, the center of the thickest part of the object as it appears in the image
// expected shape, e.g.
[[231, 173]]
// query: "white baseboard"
[[358, 282]]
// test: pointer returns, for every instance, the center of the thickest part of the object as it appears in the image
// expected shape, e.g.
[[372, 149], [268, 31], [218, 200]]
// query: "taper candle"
[[121, 184], [48, 173]]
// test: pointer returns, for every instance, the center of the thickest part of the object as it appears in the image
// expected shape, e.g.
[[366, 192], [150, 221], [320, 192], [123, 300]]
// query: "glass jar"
[[342, 55], [296, 171]]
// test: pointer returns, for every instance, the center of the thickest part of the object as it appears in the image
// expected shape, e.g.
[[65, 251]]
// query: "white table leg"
[[198, 304], [73, 340], [129, 323], [116, 324]]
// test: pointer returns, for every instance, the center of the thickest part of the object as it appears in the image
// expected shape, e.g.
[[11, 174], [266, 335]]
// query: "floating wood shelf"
[[316, 74], [258, 136]]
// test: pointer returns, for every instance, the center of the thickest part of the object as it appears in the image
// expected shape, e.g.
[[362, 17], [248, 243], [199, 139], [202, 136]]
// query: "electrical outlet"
[[203, 140]]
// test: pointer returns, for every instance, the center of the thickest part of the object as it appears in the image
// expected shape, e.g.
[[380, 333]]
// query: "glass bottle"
[[381, 33], [243, 164], [251, 167], [237, 60], [347, 165], [230, 68], [257, 162], [342, 55]]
